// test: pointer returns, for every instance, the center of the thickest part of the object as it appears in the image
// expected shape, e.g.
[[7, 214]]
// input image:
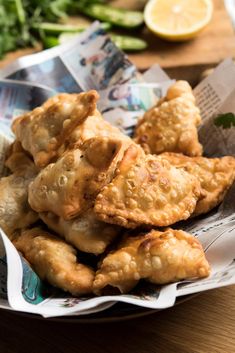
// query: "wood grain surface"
[[204, 324], [212, 45], [186, 60]]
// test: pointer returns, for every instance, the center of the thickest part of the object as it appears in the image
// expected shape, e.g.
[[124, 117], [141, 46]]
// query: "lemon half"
[[177, 20]]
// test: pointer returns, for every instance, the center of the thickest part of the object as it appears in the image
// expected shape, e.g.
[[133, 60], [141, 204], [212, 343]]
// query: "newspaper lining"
[[134, 94]]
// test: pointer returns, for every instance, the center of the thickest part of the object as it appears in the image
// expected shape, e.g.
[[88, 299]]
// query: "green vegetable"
[[57, 28], [24, 22], [226, 121], [49, 42], [129, 43], [118, 17], [18, 19], [122, 42], [11, 12], [20, 11]]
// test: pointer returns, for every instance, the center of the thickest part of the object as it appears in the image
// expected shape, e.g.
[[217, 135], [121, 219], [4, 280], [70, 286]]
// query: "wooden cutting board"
[[186, 60]]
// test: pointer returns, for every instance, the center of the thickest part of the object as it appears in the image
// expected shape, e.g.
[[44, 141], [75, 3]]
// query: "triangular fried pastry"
[[147, 191], [158, 257], [95, 126], [68, 187], [86, 232], [215, 175], [17, 158], [15, 211], [171, 126], [45, 129], [55, 261]]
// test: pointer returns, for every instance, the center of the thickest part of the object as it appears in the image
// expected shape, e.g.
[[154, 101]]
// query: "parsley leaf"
[[226, 121], [17, 18]]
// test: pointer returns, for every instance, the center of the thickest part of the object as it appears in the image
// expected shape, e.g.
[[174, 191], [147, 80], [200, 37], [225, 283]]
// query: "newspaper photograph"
[[18, 97], [85, 62], [122, 105], [125, 95]]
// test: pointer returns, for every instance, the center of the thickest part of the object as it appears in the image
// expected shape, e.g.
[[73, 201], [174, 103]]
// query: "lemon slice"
[[177, 20]]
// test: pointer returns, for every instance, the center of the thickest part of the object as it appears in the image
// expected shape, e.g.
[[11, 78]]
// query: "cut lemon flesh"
[[177, 19]]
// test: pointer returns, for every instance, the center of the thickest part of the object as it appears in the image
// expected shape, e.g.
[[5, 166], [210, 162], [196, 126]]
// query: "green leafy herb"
[[18, 17], [226, 121]]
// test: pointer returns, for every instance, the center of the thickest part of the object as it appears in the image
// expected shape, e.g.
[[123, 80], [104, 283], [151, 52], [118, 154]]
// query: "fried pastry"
[[14, 147], [15, 211], [216, 175], [43, 130], [147, 191], [171, 126], [55, 261], [85, 232], [17, 158], [157, 257], [95, 126], [68, 187]]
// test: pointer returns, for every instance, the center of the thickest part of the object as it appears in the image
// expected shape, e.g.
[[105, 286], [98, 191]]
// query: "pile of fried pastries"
[[77, 185]]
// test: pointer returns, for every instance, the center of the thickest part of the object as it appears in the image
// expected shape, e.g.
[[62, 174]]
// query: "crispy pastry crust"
[[46, 128], [158, 257], [15, 211], [95, 126], [85, 233], [216, 175], [17, 158], [172, 124], [147, 190], [68, 187], [55, 261]]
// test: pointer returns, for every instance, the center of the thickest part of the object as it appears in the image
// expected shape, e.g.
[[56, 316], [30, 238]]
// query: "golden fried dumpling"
[[43, 130], [157, 257], [17, 158], [55, 261], [85, 232], [68, 187], [95, 126], [171, 126], [215, 175], [147, 191], [15, 211]]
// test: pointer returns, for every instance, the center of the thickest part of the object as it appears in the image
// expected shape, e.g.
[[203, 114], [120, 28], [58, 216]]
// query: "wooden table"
[[189, 59], [186, 60], [205, 324]]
